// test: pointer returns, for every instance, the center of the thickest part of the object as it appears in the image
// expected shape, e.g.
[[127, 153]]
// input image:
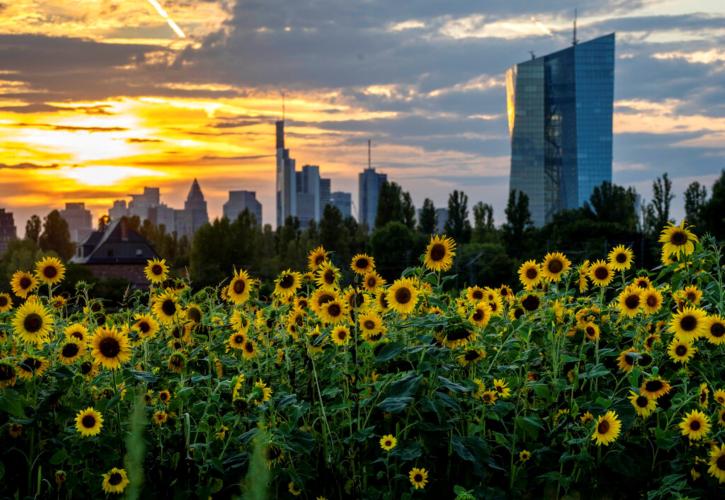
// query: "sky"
[[99, 98]]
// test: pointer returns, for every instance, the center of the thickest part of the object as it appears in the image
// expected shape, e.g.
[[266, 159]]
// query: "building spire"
[[369, 156], [573, 38]]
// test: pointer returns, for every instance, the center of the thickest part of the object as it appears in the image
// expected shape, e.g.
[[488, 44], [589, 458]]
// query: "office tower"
[[560, 110], [141, 203], [118, 210], [239, 201], [369, 184], [8, 232], [325, 194], [308, 195], [79, 219], [343, 202], [194, 215], [286, 179]]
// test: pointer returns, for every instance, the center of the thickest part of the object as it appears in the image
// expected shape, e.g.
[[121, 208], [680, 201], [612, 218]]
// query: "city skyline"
[[92, 110]]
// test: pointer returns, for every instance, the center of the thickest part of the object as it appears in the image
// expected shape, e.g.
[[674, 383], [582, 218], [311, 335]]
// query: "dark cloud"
[[139, 140], [27, 166]]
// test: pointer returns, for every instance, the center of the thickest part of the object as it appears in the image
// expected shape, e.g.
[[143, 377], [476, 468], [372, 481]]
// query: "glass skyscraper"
[[560, 120]]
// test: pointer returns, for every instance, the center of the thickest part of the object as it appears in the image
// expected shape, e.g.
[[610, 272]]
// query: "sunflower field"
[[594, 380]]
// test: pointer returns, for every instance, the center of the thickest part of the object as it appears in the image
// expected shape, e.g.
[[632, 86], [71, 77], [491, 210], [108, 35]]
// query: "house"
[[116, 251]]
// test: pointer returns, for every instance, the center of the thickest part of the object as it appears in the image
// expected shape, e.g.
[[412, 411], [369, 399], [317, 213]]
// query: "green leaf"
[[530, 425], [461, 449], [452, 386], [388, 352], [395, 404]]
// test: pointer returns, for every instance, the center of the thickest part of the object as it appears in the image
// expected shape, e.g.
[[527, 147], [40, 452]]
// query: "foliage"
[[458, 226]]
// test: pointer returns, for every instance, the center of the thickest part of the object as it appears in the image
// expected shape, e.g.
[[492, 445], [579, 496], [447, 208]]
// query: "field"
[[595, 380]]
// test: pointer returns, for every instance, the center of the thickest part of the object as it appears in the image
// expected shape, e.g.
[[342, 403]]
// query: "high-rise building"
[[560, 110], [141, 203], [343, 202], [239, 201], [8, 232], [194, 215], [79, 219], [286, 179], [118, 210], [369, 184], [325, 193], [308, 195]]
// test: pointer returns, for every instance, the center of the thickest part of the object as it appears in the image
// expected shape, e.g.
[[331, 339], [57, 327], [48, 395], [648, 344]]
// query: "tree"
[[613, 204], [427, 220], [394, 204], [395, 247], [713, 213], [56, 237], [458, 226], [483, 228], [408, 210], [518, 222], [334, 235], [657, 213], [33, 228], [695, 201]]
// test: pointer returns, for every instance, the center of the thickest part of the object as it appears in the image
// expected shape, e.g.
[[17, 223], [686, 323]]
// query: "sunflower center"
[[478, 315], [334, 310], [603, 427], [651, 301], [31, 364], [157, 270], [403, 295], [681, 350], [341, 334], [688, 323], [239, 339], [531, 274], [531, 302], [86, 367], [115, 479], [437, 252], [361, 263], [555, 266], [418, 478], [601, 273], [720, 462], [371, 282], [144, 327], [621, 258], [478, 294], [239, 287], [369, 324], [33, 322], [642, 401], [168, 307], [70, 350], [329, 276], [3, 301], [717, 330], [7, 372], [88, 421], [25, 282], [632, 301], [109, 347], [287, 281], [678, 238], [695, 425], [629, 359], [471, 356], [653, 385]]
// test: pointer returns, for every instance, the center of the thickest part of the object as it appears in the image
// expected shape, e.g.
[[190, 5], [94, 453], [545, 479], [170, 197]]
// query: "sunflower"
[[439, 253], [402, 296], [8, 374], [524, 456], [474, 293], [32, 366], [166, 308], [470, 356], [249, 349], [654, 387], [6, 302], [110, 348], [32, 323], [502, 388], [49, 270], [627, 360], [555, 265], [620, 258], [362, 264], [506, 293], [695, 425], [156, 270], [692, 294], [690, 323], [333, 312], [316, 257], [327, 276], [418, 477], [160, 417], [89, 422], [321, 297], [630, 301], [530, 274], [681, 350], [23, 283], [715, 328], [643, 405], [261, 393], [717, 463], [145, 325], [70, 351], [607, 429], [165, 396], [372, 281], [530, 302], [489, 396], [177, 362], [650, 341], [287, 283], [340, 335], [293, 489], [236, 340], [721, 417], [388, 442], [677, 240], [480, 315], [702, 398], [115, 480], [239, 287], [651, 300], [601, 274], [591, 331], [719, 396], [583, 276]]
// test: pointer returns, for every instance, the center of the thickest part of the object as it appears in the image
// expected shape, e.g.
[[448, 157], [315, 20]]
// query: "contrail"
[[156, 5]]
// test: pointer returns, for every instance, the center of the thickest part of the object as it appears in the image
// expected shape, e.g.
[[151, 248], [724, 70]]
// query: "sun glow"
[[107, 176]]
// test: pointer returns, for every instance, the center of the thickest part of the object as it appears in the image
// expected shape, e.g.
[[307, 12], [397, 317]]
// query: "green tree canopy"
[[458, 226], [56, 237]]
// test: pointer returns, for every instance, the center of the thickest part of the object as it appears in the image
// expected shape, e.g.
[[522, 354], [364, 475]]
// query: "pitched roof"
[[117, 244]]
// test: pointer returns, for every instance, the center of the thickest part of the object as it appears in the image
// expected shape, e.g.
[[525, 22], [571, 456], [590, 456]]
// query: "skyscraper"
[[343, 202], [7, 230], [369, 184], [79, 219], [239, 201], [286, 179], [325, 193], [560, 110], [194, 215], [308, 195]]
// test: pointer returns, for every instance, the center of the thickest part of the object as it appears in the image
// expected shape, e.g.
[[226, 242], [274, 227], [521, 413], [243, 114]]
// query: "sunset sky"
[[101, 97]]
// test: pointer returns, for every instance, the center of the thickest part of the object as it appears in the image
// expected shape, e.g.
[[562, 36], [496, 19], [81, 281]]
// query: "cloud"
[[27, 166]]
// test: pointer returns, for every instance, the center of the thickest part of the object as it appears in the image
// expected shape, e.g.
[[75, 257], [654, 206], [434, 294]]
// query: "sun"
[[106, 175]]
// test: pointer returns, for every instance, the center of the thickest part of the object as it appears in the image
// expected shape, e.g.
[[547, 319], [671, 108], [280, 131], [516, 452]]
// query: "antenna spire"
[[369, 156], [573, 38], [283, 108]]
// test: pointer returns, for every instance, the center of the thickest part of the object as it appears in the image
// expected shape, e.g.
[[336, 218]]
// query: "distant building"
[[194, 215], [369, 184], [325, 193], [118, 210], [343, 202], [79, 219], [560, 109], [308, 195], [140, 204], [8, 232], [441, 220], [286, 188], [239, 201], [116, 252]]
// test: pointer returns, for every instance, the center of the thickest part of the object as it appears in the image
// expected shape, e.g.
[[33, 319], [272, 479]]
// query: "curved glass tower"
[[560, 120]]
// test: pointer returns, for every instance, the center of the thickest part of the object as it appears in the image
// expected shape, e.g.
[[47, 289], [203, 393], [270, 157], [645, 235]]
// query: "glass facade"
[[560, 119]]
